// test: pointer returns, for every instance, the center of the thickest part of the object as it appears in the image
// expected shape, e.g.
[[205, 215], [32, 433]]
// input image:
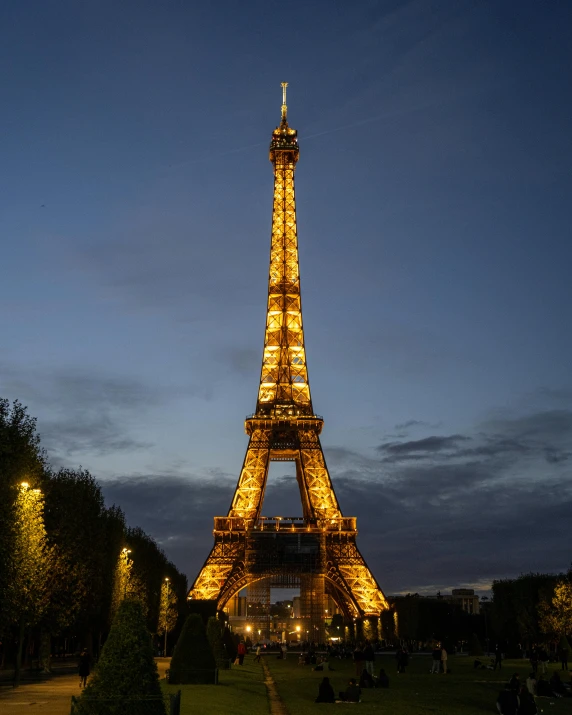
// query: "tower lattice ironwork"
[[319, 547]]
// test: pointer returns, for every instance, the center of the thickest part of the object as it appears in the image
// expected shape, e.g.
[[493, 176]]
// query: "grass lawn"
[[464, 692], [241, 691]]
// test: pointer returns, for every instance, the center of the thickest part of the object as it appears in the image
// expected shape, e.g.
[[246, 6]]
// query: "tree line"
[[534, 609], [66, 559]]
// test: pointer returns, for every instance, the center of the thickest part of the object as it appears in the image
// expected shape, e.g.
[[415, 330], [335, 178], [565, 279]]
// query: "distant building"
[[465, 598]]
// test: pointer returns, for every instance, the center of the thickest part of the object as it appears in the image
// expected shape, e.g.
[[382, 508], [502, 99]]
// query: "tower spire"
[[284, 107]]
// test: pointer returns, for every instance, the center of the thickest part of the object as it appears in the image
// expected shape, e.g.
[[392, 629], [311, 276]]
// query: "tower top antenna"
[[284, 107]]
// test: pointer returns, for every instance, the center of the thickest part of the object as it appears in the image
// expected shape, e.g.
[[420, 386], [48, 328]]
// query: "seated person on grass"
[[366, 680], [383, 680], [527, 704], [352, 692], [558, 686], [507, 701], [325, 692], [514, 683], [543, 689]]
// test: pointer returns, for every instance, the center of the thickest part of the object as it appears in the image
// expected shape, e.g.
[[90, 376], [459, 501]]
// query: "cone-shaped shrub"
[[126, 670], [475, 647], [229, 643], [214, 634], [193, 660]]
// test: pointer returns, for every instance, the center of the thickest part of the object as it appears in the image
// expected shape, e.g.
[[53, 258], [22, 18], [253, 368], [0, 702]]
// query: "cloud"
[[411, 423], [472, 508], [91, 414], [421, 446], [176, 510]]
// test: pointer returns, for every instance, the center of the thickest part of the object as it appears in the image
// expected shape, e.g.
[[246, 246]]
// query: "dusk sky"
[[434, 197]]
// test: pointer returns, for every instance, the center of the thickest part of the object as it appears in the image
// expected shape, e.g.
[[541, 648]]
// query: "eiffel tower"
[[316, 552]]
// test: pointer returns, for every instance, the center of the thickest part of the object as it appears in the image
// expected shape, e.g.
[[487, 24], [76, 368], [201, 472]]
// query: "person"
[[498, 658], [508, 702], [241, 652], [366, 679], [352, 692], [369, 656], [383, 680], [543, 690], [436, 655], [527, 704], [325, 692], [280, 655], [402, 660], [358, 659], [514, 683], [258, 653], [444, 660], [534, 660], [83, 668], [543, 659], [564, 658], [558, 686], [531, 684]]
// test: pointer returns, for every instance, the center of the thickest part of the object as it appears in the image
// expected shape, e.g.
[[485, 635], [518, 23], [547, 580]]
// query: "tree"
[[126, 670], [75, 524], [29, 567], [516, 607], [193, 660], [21, 460], [168, 613], [556, 616], [214, 635]]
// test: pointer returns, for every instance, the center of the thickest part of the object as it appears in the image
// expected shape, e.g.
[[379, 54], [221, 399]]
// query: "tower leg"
[[258, 609]]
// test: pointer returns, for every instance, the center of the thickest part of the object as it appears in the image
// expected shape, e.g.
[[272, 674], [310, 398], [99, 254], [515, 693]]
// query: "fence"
[[163, 705]]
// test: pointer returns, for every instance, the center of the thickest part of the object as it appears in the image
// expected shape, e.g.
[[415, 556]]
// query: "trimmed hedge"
[[193, 660], [126, 670]]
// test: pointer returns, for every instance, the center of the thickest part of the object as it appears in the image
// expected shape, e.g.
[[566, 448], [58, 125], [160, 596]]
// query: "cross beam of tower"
[[248, 547]]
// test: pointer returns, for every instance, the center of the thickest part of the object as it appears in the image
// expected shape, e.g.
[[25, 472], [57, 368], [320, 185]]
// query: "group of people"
[[439, 660], [364, 657], [539, 659], [519, 698], [352, 693]]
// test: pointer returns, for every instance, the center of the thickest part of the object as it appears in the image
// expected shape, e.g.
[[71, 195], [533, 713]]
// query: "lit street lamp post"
[[125, 555]]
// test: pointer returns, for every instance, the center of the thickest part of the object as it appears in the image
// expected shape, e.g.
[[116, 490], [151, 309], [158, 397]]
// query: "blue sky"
[[433, 195]]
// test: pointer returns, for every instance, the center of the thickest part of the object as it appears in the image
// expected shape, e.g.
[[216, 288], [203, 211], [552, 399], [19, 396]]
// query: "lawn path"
[[277, 707]]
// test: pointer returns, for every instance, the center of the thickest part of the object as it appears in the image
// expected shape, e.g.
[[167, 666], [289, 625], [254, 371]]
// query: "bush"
[[126, 670], [475, 647], [214, 635], [230, 646], [193, 660]]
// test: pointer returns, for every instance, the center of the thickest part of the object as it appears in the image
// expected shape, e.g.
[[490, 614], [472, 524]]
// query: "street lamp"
[[166, 614], [125, 556]]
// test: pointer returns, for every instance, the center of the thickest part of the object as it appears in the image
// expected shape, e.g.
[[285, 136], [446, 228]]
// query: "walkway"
[[49, 697], [277, 707]]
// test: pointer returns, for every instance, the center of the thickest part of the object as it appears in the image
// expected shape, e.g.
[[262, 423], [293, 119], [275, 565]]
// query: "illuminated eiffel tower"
[[316, 552]]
